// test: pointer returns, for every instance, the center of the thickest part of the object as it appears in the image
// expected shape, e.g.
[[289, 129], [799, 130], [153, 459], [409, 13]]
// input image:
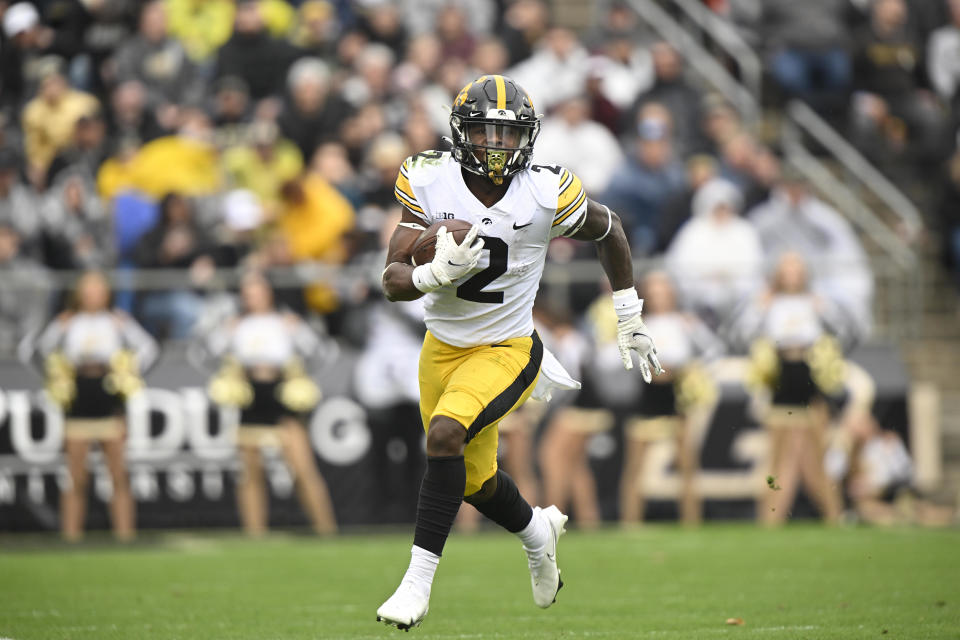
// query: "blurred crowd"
[[188, 136], [886, 72]]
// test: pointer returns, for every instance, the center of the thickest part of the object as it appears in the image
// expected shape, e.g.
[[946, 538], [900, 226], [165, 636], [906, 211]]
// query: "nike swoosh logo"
[[521, 226], [552, 557], [452, 264]]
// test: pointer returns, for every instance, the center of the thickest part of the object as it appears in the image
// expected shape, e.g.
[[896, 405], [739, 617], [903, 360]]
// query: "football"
[[425, 245]]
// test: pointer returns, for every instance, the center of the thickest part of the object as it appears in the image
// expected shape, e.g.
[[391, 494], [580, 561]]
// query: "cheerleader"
[[93, 359], [667, 407], [262, 375], [574, 418], [795, 360]]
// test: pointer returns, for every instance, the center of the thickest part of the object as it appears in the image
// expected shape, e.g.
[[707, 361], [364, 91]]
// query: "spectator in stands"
[[314, 220], [418, 131], [386, 153], [887, 61], [602, 109], [160, 63], [362, 128], [231, 112], [103, 27], [420, 64], [943, 59], [806, 46], [555, 72], [253, 54], [332, 163], [736, 160], [668, 407], [264, 164], [624, 70], [317, 29], [451, 76], [569, 138], [372, 82], [671, 89], [264, 352], [949, 213], [421, 16], [793, 219], [25, 39], [86, 152], [94, 357], [679, 207], [203, 26], [313, 113], [23, 291], [129, 119], [456, 39], [78, 232], [646, 179], [176, 242], [720, 123], [186, 162], [49, 119], [490, 56], [525, 23], [617, 21], [19, 206], [716, 258], [794, 359], [380, 22]]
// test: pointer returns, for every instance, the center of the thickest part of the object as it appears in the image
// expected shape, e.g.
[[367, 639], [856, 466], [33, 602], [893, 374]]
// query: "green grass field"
[[659, 582]]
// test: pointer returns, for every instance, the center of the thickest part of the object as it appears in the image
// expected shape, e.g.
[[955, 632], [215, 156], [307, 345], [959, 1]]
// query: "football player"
[[481, 358]]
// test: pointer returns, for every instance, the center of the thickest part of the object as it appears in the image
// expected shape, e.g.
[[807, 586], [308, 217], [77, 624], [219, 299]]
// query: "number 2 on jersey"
[[472, 289]]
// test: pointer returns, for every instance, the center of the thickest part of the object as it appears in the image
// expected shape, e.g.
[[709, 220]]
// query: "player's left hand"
[[632, 335]]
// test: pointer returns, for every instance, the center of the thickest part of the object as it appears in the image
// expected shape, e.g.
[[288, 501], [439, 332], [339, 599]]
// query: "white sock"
[[534, 535], [423, 564]]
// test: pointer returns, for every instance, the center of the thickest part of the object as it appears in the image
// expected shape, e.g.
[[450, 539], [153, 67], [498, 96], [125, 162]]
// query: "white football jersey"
[[494, 302]]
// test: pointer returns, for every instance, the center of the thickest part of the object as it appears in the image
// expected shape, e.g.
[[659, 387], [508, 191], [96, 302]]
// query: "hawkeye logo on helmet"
[[501, 114]]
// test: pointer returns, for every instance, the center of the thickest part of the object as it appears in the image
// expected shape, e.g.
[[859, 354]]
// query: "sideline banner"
[[183, 466]]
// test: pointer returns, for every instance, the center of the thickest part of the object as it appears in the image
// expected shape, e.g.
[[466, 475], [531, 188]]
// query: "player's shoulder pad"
[[545, 181], [423, 168]]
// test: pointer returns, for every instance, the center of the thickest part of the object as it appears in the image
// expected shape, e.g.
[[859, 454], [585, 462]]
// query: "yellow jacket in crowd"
[[48, 126], [246, 168], [171, 163], [314, 219], [202, 26]]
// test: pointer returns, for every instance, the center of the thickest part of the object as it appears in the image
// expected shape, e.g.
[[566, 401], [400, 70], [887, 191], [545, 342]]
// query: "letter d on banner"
[[141, 444]]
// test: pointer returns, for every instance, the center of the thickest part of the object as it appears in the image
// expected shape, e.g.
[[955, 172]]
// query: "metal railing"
[[699, 58], [802, 116], [893, 308], [726, 36], [728, 39]]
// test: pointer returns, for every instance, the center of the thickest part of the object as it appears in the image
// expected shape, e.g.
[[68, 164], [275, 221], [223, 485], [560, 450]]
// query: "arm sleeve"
[[141, 342], [404, 194], [571, 206]]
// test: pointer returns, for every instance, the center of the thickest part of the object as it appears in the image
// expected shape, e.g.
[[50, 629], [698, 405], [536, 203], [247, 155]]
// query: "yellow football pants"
[[477, 387]]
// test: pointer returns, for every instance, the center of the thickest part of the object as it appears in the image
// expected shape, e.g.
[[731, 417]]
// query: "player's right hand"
[[452, 261]]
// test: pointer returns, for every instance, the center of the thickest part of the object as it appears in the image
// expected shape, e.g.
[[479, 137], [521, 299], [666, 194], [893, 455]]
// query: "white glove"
[[451, 261], [632, 334]]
